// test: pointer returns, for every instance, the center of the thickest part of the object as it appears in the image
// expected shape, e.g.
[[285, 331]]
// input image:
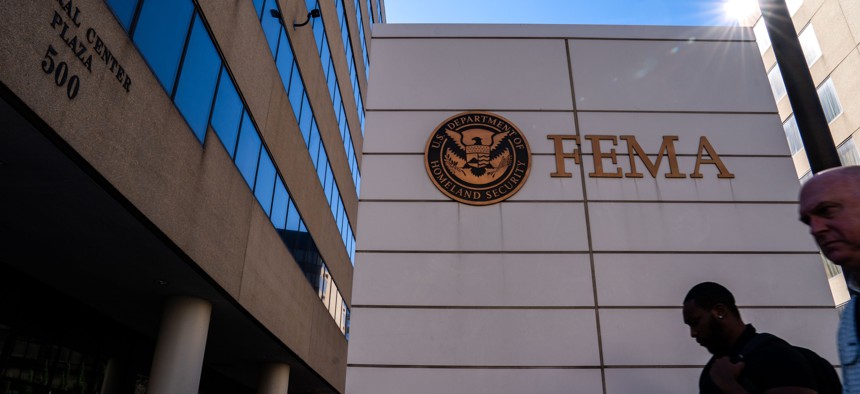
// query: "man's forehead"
[[823, 187], [690, 308]]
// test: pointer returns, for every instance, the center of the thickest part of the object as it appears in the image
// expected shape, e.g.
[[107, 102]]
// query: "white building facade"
[[658, 161]]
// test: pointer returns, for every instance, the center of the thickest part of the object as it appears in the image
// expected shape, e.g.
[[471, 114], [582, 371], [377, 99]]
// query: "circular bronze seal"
[[477, 158]]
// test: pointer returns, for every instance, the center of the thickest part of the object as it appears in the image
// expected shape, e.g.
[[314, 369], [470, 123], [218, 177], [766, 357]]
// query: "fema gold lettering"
[[706, 155], [667, 148], [560, 155], [714, 158], [599, 156]]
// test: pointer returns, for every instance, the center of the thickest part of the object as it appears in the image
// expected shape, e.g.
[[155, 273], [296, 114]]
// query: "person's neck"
[[734, 330]]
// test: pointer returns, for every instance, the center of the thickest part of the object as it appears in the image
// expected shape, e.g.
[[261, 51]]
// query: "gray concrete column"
[[178, 359], [113, 379], [275, 379]]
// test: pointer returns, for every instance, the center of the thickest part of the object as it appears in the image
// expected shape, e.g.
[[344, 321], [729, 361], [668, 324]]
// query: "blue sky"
[[612, 12]]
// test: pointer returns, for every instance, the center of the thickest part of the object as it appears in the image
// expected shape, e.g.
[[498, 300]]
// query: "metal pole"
[[802, 94]]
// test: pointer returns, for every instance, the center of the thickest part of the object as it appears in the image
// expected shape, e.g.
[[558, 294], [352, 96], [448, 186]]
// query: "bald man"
[[830, 206]]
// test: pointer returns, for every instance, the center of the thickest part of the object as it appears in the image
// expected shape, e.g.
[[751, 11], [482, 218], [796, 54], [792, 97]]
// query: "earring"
[[719, 316]]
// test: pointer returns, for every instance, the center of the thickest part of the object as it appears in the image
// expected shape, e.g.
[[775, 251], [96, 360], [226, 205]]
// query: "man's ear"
[[720, 311]]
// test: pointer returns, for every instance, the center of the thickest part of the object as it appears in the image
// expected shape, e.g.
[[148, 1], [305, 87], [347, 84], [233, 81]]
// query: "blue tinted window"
[[335, 192], [340, 13], [197, 79], [124, 10], [284, 62], [318, 34], [306, 117], [323, 165], [293, 218], [314, 146], [258, 6], [248, 151], [337, 97], [332, 81], [227, 112], [329, 182], [265, 181], [272, 27], [378, 12], [160, 36], [280, 203], [297, 89]]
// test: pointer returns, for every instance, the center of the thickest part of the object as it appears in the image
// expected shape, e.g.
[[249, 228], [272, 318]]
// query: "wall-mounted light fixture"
[[315, 13]]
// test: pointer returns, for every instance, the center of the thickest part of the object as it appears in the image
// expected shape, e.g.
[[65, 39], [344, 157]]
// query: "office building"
[[829, 34], [537, 200], [180, 183]]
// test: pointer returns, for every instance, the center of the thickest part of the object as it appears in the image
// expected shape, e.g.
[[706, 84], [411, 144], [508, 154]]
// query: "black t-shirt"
[[773, 364]]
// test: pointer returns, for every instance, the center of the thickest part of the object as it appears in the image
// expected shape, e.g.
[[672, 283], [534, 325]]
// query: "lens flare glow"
[[740, 9]]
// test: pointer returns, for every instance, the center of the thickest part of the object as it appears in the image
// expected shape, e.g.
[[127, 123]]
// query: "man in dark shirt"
[[772, 367]]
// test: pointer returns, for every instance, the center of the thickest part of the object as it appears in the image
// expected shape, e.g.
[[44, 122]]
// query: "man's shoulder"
[[769, 348]]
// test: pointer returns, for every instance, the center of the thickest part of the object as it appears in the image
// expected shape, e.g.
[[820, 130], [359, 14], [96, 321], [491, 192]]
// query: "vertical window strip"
[[362, 38], [848, 154], [829, 100], [777, 85], [379, 12], [220, 105], [350, 59], [337, 99], [303, 110], [809, 44], [762, 39], [792, 134]]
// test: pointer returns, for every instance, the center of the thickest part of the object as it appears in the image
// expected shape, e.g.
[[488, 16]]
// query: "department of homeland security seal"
[[477, 158]]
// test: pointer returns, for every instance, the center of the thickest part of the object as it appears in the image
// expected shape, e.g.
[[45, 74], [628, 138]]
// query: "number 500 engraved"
[[61, 73]]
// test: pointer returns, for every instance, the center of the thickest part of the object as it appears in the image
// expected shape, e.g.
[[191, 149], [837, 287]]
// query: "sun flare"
[[740, 9]]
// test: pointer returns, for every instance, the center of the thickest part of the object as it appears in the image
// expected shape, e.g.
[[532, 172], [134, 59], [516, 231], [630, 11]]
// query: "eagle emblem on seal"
[[477, 158], [475, 155]]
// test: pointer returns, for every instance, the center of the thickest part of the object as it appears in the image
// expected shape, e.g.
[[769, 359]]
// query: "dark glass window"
[[280, 203], [227, 112], [265, 181], [197, 79], [124, 11], [248, 151], [160, 36]]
